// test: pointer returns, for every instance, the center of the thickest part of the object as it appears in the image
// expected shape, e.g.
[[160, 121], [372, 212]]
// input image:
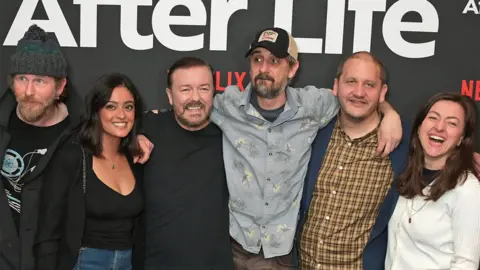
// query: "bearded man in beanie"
[[35, 118]]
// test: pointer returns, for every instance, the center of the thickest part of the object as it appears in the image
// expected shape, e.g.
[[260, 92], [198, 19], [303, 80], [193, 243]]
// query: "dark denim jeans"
[[103, 259]]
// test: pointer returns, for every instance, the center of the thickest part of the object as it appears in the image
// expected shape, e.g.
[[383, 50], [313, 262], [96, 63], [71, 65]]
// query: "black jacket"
[[63, 213], [16, 248]]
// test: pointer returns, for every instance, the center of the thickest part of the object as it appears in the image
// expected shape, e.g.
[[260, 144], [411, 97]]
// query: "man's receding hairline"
[[195, 66], [366, 57], [190, 67], [362, 56]]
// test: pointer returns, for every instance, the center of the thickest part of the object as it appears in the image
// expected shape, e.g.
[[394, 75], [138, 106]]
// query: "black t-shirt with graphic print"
[[27, 145]]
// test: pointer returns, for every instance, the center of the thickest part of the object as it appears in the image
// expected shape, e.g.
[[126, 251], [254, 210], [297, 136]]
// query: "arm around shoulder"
[[320, 103], [222, 102], [147, 122], [231, 95]]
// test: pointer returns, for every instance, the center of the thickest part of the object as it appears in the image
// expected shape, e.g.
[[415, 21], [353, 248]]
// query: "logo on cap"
[[268, 35]]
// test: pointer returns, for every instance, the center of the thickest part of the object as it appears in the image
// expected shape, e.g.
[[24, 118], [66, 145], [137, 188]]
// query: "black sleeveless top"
[[110, 216]]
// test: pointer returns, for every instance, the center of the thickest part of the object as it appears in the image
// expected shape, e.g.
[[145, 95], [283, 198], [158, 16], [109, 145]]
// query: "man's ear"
[[335, 87], [60, 86], [293, 70], [169, 94], [383, 93]]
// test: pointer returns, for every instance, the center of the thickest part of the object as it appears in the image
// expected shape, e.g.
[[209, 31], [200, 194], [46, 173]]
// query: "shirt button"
[[269, 130], [334, 192], [327, 218], [263, 227], [349, 144], [266, 204], [270, 154], [340, 167], [268, 179], [321, 241]]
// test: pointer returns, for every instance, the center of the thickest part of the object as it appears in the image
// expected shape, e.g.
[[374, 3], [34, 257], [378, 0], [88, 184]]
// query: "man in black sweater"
[[187, 216]]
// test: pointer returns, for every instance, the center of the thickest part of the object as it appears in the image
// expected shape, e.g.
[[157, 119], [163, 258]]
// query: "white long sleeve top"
[[441, 235]]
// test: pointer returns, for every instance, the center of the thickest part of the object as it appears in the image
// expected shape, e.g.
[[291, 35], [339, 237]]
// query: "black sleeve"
[[138, 253], [64, 168], [148, 121]]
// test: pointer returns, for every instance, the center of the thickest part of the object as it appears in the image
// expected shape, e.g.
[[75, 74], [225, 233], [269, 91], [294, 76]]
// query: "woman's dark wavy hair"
[[458, 164], [90, 134]]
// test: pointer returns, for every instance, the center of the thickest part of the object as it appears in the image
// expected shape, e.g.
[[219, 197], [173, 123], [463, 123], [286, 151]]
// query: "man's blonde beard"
[[33, 111]]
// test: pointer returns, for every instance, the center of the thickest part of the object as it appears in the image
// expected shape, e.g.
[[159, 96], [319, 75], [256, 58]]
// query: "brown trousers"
[[244, 260]]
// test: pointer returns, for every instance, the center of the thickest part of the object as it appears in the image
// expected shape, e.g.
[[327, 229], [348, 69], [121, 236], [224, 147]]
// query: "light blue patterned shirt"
[[266, 163]]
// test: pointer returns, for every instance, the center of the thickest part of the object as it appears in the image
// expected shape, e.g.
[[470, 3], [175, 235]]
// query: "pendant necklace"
[[105, 161], [410, 210], [113, 164]]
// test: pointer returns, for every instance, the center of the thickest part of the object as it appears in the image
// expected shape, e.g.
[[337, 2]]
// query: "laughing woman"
[[436, 222], [92, 200]]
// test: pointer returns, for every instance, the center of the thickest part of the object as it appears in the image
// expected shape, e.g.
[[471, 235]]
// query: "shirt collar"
[[292, 103], [367, 137]]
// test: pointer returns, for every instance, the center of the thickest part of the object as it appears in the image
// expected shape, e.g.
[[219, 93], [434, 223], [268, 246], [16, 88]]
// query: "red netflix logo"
[[224, 79], [471, 88]]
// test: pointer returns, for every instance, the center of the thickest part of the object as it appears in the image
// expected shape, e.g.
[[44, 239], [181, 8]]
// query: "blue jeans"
[[103, 259]]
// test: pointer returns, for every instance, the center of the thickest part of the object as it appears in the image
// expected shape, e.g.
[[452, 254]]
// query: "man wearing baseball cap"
[[268, 131], [278, 41]]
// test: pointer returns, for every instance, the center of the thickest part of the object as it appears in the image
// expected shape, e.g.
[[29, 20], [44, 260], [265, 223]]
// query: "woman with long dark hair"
[[92, 198], [436, 222]]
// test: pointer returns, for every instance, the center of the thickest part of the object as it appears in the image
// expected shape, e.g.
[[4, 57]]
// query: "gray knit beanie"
[[38, 54]]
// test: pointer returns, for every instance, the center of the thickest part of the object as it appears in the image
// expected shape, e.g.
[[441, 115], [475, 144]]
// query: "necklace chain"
[[107, 160], [410, 210]]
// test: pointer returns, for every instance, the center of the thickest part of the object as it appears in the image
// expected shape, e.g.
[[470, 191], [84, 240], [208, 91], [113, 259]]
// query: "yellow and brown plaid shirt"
[[351, 185]]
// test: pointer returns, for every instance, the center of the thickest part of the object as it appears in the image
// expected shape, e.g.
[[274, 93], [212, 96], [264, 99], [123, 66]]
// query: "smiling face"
[[191, 96], [359, 88], [118, 115], [441, 132]]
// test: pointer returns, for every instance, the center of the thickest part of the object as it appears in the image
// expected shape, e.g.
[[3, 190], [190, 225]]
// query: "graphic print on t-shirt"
[[27, 146], [15, 168]]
